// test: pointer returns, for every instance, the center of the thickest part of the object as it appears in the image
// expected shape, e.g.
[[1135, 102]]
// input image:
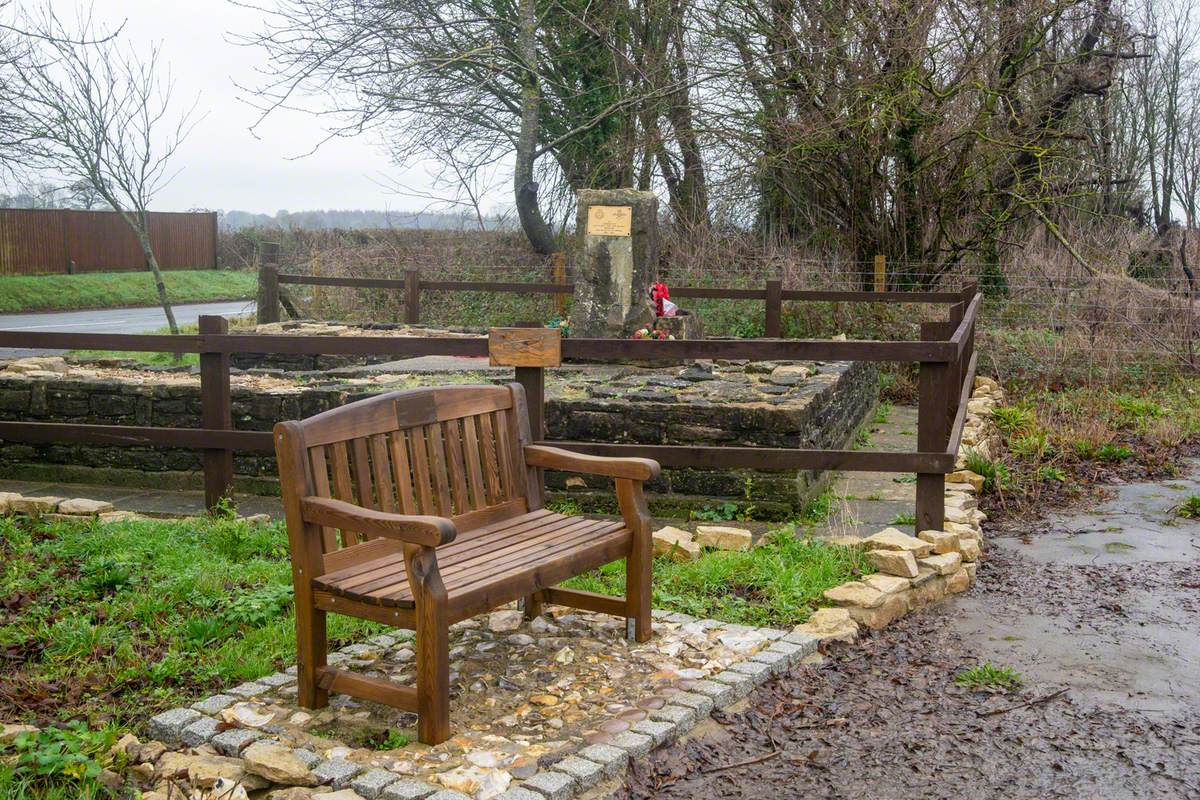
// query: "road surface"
[[110, 320]]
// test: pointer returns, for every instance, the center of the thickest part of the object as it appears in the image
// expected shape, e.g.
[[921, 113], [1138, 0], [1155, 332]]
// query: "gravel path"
[[1106, 637]]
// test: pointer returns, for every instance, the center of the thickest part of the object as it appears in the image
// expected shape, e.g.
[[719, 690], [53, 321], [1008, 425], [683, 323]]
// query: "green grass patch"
[[777, 583], [58, 763], [112, 623], [118, 289], [1190, 508], [159, 359], [989, 676]]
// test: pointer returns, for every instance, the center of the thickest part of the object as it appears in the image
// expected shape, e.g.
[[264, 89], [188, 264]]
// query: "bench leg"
[[311, 647], [637, 591], [533, 605], [433, 676]]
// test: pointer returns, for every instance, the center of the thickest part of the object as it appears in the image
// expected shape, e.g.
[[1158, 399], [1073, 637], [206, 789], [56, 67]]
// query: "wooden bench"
[[422, 508]]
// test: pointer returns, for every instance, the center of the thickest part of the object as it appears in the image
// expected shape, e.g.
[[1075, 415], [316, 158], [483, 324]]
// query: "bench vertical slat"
[[437, 466], [420, 468], [474, 464], [380, 466], [362, 474], [516, 459], [452, 435], [503, 453], [491, 468], [403, 473], [343, 487], [320, 479]]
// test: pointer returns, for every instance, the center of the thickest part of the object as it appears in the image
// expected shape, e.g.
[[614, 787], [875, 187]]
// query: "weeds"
[[1190, 508], [904, 519], [989, 676], [57, 762]]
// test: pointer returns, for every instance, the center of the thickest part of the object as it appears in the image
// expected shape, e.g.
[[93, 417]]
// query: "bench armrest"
[[638, 469], [421, 530]]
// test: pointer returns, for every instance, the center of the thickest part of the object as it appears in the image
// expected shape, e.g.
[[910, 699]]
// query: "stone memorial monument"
[[618, 230]]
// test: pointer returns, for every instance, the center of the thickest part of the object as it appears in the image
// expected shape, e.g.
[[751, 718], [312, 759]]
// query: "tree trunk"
[[525, 188], [152, 263]]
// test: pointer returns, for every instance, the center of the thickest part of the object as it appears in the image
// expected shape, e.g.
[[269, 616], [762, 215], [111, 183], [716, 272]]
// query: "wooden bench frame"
[[413, 451]]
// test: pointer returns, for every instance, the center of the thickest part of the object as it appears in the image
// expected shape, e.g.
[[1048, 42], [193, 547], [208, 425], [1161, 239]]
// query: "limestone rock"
[[944, 564], [505, 620], [888, 584], [893, 539], [855, 595], [966, 476], [8, 731], [481, 784], [970, 550], [84, 507], [676, 543], [891, 608], [894, 562], [846, 541], [34, 505], [942, 541], [831, 624], [55, 364], [723, 537], [277, 764], [958, 582]]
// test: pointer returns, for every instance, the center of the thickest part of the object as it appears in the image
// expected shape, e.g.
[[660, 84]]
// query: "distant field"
[[116, 289]]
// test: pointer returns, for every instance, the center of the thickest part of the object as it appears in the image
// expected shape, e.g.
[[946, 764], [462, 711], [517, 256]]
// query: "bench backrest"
[[451, 451]]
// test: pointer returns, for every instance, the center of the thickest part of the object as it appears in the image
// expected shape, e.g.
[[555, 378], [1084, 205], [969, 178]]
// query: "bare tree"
[[103, 119]]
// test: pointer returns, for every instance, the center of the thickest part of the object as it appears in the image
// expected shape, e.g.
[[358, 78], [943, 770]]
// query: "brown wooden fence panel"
[[36, 241]]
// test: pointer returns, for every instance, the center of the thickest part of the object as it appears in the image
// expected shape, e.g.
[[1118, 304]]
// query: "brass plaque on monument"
[[609, 220]]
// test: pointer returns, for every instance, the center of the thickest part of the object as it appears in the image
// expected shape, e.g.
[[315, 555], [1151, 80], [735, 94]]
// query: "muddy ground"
[[1097, 609]]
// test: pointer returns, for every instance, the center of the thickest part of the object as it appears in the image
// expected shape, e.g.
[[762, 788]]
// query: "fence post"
[[559, 264], [881, 273], [774, 308], [215, 413], [534, 381], [267, 308], [933, 427], [412, 297]]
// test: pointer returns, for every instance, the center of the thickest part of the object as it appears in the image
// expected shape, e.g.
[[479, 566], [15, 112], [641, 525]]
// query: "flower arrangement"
[[561, 325], [656, 335]]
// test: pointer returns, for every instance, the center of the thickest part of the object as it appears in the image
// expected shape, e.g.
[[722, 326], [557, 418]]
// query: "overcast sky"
[[223, 165]]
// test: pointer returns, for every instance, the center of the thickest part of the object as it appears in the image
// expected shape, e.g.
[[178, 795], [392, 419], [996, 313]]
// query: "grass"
[[119, 289], [904, 518], [159, 359], [777, 583], [112, 623], [1190, 508], [989, 676]]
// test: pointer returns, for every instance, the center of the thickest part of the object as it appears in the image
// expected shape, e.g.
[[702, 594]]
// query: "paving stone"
[[613, 759], [806, 640], [776, 660], [756, 670], [449, 794], [679, 716], [278, 679], [633, 743], [200, 731], [741, 684], [722, 694], [372, 783], [659, 731], [251, 689], [214, 704], [407, 789], [551, 785], [233, 741], [337, 772], [700, 703], [517, 793], [586, 773], [307, 757], [794, 652], [168, 726]]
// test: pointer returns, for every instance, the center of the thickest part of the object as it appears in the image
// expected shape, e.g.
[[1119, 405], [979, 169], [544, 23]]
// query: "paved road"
[[111, 320]]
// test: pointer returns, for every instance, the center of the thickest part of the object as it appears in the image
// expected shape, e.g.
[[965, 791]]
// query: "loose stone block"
[[944, 564], [234, 740], [199, 732], [966, 476], [958, 582], [372, 783], [585, 772], [894, 562], [659, 732], [81, 506], [337, 772], [168, 726], [407, 789], [970, 550], [723, 537], [892, 608], [893, 539], [888, 584], [942, 541], [834, 624], [854, 594], [613, 759], [927, 592], [551, 785], [675, 543], [278, 764], [34, 506], [214, 704]]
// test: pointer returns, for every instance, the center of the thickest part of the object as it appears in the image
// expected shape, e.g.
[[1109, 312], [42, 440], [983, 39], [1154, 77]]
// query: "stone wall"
[[768, 405]]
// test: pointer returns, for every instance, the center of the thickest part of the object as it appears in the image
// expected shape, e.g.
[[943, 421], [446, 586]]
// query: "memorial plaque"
[[609, 220]]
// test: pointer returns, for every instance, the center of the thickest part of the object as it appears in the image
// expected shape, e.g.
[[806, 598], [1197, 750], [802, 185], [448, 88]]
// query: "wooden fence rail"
[[412, 284], [945, 353]]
